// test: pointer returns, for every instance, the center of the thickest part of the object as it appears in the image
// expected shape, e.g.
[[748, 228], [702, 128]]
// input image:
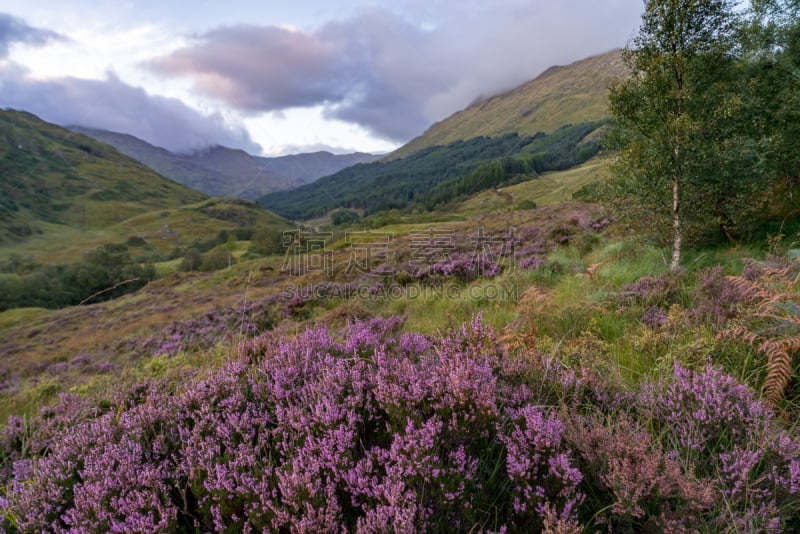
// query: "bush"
[[216, 258], [191, 260], [343, 216], [376, 431], [526, 204]]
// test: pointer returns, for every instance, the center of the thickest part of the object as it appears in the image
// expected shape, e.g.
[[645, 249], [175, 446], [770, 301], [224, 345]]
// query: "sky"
[[277, 77]]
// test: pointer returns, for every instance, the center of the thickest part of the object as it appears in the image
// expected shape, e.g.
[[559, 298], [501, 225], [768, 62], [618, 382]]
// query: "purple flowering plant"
[[373, 429]]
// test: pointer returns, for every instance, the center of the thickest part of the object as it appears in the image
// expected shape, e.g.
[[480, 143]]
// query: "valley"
[[532, 317]]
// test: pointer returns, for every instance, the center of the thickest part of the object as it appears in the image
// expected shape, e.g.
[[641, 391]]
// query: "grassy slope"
[[38, 338], [163, 230], [560, 95], [549, 188], [52, 175], [64, 193], [568, 305]]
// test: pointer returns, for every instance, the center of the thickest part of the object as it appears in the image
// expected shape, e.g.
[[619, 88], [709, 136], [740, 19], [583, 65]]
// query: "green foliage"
[[772, 44], [439, 174], [191, 260], [216, 258], [343, 216], [687, 164], [52, 175], [267, 241], [104, 273]]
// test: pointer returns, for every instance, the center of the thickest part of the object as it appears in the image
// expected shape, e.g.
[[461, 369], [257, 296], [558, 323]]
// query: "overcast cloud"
[[393, 76], [378, 76], [113, 105]]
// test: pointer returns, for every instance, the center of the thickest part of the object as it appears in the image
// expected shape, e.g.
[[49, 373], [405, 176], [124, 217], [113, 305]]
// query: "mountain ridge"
[[222, 171], [558, 119], [561, 94]]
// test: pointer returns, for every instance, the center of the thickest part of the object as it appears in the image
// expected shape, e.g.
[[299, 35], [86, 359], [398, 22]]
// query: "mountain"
[[63, 194], [51, 175], [221, 171], [311, 166], [560, 95], [438, 175], [550, 123], [216, 171]]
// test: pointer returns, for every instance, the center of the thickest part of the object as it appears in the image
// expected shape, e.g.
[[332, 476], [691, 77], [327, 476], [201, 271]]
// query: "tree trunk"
[[677, 237]]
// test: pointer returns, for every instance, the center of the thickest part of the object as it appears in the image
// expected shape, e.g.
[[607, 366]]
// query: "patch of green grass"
[[548, 189], [21, 316]]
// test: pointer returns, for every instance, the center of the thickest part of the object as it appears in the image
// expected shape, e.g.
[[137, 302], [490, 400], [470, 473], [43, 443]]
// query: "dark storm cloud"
[[396, 75], [111, 104], [15, 30]]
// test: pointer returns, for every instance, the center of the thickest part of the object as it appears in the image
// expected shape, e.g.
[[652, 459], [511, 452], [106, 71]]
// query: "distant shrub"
[[191, 260], [267, 241], [216, 258], [526, 204], [343, 216], [136, 241]]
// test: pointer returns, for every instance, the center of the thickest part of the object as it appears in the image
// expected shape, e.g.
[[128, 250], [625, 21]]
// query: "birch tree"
[[674, 112]]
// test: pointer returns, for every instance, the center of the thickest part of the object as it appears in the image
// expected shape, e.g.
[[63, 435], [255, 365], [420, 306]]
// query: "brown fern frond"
[[779, 374], [591, 270], [780, 272], [532, 299], [792, 344], [773, 295], [740, 332], [747, 288]]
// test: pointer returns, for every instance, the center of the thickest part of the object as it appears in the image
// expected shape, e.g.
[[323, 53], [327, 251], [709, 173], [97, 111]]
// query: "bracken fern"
[[773, 328]]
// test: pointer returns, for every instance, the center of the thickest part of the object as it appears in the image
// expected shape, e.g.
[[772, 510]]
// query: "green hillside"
[[63, 194], [560, 95], [548, 189], [51, 175], [436, 176]]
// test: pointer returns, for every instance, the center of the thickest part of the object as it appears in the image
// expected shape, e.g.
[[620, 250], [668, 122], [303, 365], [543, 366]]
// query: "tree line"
[[439, 174], [112, 270]]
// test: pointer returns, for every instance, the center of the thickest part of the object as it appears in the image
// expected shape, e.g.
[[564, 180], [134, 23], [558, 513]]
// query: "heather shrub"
[[370, 429], [716, 425], [539, 466], [716, 299], [705, 411], [662, 290], [205, 331], [633, 484], [108, 474]]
